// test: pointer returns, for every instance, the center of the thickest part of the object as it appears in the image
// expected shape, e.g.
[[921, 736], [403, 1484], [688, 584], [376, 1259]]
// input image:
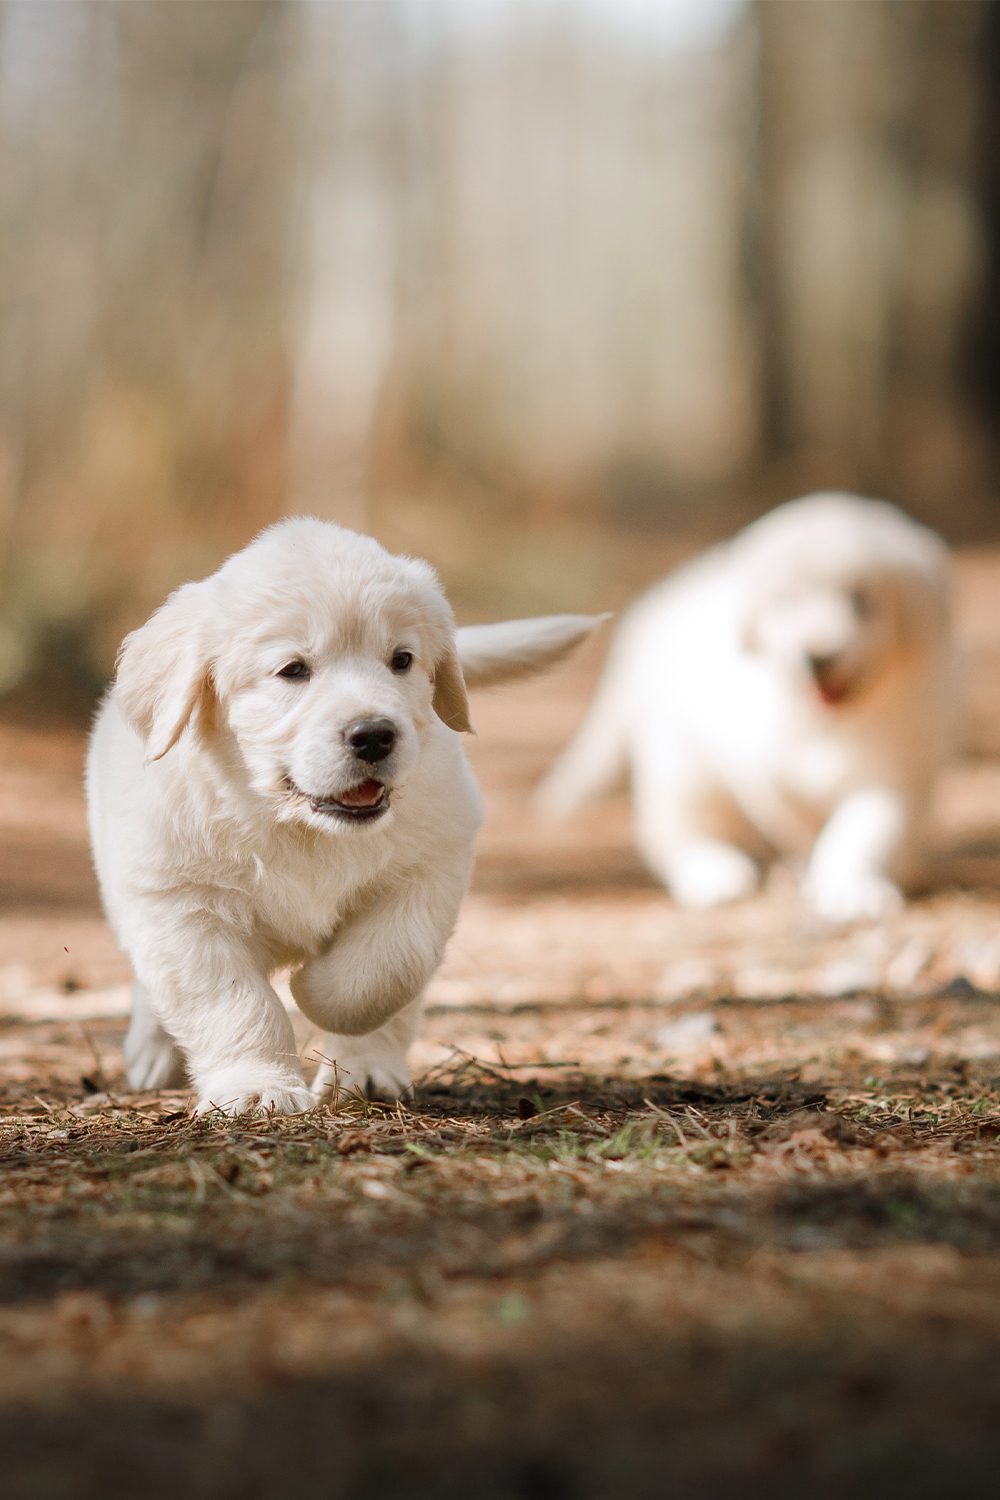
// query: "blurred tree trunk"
[[867, 243], [346, 244], [982, 366], [143, 382]]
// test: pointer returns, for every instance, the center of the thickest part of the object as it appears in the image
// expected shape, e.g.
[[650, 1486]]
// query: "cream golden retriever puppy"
[[787, 693], [276, 778]]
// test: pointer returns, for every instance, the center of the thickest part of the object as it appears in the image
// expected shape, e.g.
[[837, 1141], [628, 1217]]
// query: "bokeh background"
[[549, 291]]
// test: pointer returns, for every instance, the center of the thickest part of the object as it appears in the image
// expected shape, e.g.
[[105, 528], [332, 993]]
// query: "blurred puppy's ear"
[[921, 595], [163, 670], [451, 701]]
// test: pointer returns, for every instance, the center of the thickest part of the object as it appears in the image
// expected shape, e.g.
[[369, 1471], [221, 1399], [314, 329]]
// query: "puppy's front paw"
[[843, 902], [240, 1091], [378, 1070], [712, 874]]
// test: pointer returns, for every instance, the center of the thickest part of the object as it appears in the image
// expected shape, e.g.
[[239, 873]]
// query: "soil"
[[685, 1205]]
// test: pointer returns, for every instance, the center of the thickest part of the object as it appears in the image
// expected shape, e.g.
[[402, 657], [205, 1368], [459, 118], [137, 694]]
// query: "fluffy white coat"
[[790, 692], [235, 830]]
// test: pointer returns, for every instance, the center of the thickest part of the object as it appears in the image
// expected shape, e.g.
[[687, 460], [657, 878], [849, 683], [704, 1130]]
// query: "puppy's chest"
[[295, 923], [773, 750], [790, 789], [296, 906], [814, 771]]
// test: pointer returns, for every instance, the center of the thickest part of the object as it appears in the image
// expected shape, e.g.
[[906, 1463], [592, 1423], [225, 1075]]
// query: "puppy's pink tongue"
[[365, 795]]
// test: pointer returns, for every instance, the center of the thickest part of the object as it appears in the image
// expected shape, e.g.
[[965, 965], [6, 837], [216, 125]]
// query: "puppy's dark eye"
[[294, 671], [401, 661], [862, 603]]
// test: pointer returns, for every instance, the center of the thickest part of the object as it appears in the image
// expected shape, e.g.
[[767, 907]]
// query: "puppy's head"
[[314, 658], [839, 592]]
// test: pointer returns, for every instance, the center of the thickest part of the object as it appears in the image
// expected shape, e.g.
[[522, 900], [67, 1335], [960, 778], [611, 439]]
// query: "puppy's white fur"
[[223, 852], [789, 692]]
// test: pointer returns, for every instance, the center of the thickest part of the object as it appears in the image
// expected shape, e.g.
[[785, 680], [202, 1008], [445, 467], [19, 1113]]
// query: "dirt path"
[[685, 1203]]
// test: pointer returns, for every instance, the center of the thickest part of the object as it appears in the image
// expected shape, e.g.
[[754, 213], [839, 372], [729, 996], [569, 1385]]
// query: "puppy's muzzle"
[[371, 740], [826, 670]]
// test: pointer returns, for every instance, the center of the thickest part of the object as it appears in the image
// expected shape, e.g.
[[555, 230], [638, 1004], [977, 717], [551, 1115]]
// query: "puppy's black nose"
[[371, 739]]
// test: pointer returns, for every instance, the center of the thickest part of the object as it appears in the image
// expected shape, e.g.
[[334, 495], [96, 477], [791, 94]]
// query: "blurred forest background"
[[549, 291]]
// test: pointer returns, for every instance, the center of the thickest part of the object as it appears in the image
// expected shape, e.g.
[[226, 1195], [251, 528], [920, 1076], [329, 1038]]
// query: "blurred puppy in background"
[[277, 778], [788, 693]]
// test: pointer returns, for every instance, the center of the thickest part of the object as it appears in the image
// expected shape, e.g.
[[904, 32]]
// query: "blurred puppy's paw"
[[843, 901], [712, 874]]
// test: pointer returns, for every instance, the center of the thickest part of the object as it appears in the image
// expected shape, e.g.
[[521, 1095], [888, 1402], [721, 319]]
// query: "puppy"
[[790, 693], [277, 778]]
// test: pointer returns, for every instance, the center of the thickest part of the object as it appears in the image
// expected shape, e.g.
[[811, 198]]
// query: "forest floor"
[[685, 1205]]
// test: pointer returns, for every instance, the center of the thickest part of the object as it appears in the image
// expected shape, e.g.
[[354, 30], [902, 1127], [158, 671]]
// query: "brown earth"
[[686, 1205]]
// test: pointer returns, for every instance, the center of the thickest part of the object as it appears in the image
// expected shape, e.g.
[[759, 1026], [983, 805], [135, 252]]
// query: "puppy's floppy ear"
[[451, 701], [163, 670], [747, 588], [921, 590]]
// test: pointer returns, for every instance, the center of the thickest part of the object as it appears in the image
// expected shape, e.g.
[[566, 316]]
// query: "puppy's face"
[[839, 592], [832, 639], [320, 657], [330, 708]]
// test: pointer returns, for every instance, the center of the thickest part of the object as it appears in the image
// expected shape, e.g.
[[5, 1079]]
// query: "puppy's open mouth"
[[833, 690], [358, 804]]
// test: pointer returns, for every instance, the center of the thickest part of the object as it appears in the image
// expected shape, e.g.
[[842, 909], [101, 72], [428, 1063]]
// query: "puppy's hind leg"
[[153, 1059]]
